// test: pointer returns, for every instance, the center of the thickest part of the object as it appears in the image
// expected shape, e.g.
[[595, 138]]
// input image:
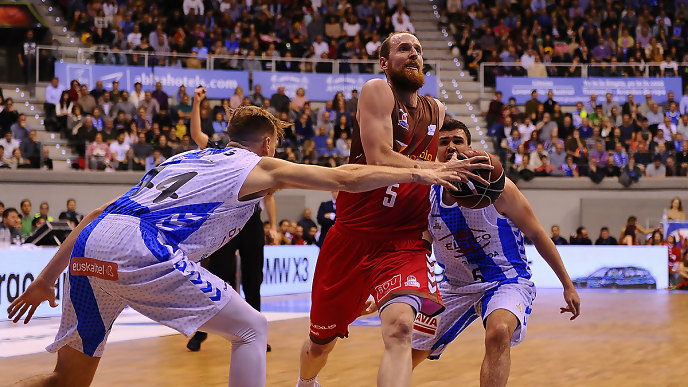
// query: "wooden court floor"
[[634, 338]]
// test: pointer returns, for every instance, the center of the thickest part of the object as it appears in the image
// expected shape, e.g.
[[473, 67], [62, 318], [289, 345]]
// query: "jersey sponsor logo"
[[403, 119], [387, 287], [427, 156], [466, 242], [324, 327], [411, 281], [93, 268], [426, 326], [432, 129]]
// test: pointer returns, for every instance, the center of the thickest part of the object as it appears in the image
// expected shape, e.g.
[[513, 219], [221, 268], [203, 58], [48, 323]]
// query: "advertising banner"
[[322, 87], [622, 267], [287, 270], [568, 91], [219, 83]]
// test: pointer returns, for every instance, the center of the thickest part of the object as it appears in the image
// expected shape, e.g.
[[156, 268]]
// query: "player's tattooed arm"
[[43, 287], [515, 206]]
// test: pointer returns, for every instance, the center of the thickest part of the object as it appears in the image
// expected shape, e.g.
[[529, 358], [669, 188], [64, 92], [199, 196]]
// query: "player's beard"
[[406, 79]]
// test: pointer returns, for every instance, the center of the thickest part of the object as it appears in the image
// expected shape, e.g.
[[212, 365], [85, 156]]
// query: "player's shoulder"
[[377, 87]]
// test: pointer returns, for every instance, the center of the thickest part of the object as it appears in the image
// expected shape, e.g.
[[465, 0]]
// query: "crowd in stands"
[[138, 129], [649, 36], [186, 33], [599, 138], [17, 224]]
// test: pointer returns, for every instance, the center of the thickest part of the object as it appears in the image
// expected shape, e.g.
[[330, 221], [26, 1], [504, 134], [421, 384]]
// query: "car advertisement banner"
[[644, 267], [219, 83], [322, 87], [568, 91]]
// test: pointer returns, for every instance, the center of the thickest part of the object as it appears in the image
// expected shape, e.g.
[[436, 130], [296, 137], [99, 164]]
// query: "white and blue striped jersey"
[[190, 202], [475, 249]]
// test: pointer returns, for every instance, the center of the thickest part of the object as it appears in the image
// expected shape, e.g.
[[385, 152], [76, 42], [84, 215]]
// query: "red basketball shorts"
[[351, 267]]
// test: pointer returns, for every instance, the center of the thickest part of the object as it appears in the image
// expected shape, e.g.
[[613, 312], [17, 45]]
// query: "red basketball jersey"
[[400, 208]]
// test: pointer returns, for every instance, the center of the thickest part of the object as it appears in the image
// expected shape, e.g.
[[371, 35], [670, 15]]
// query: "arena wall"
[[566, 202]]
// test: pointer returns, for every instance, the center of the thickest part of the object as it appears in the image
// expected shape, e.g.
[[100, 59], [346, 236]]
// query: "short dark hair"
[[8, 211], [452, 124], [24, 201], [384, 47], [604, 228]]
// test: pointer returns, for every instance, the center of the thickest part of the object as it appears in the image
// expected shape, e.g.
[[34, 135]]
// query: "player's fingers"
[[472, 167], [21, 313], [31, 311], [14, 307], [478, 160], [446, 184]]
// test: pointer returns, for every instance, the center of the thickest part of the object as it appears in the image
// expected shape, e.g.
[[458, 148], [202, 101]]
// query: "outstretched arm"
[[271, 174], [514, 205], [43, 287], [200, 138]]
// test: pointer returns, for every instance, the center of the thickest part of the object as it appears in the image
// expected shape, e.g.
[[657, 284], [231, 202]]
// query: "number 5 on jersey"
[[390, 196]]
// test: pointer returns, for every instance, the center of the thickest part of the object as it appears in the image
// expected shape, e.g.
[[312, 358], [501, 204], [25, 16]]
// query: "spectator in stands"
[[44, 210], [280, 101], [106, 106], [675, 211], [545, 168], [118, 151], [656, 239], [326, 216], [257, 98], [557, 156], [532, 104], [150, 104], [98, 91], [611, 169], [160, 96], [52, 97], [137, 95], [155, 159], [605, 239], [283, 235], [32, 149], [569, 167], [656, 168], [669, 67], [8, 116], [62, 110], [669, 129], [70, 215], [25, 207], [20, 130], [546, 128], [550, 102], [98, 153], [609, 104], [620, 155], [86, 100], [556, 238], [9, 144], [193, 7], [11, 224], [580, 237]]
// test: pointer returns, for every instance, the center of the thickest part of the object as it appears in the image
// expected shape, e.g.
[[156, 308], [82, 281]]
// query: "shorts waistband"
[[377, 235]]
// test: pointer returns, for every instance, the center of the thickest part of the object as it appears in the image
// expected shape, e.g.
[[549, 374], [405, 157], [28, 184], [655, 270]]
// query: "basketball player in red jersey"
[[375, 247]]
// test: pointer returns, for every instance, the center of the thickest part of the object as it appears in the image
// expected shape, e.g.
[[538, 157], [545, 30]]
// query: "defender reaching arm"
[[515, 206]]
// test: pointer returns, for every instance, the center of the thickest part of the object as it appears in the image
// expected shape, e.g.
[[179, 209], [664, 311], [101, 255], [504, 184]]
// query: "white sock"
[[313, 382]]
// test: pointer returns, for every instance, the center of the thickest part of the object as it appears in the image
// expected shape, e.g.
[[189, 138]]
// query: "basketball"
[[475, 194]]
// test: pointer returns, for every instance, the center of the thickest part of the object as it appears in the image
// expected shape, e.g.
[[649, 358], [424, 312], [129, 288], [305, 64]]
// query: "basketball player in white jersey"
[[485, 269], [143, 249]]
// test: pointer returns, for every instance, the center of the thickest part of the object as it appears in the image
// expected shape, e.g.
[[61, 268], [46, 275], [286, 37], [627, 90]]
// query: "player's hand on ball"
[[572, 303], [440, 175], [35, 294], [370, 307], [199, 93], [465, 167]]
